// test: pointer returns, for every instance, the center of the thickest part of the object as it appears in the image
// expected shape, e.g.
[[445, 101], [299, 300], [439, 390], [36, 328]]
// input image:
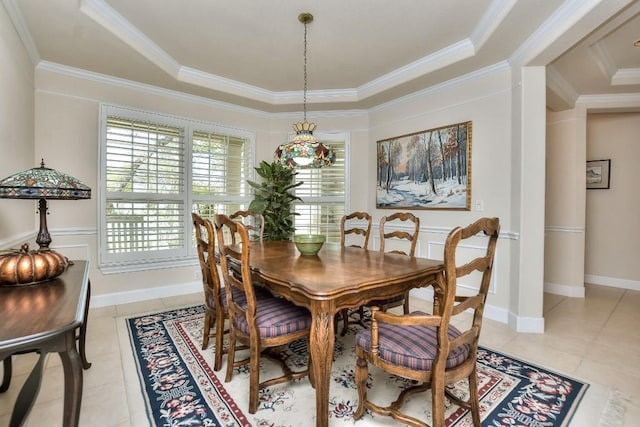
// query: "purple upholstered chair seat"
[[276, 317], [240, 298], [414, 347]]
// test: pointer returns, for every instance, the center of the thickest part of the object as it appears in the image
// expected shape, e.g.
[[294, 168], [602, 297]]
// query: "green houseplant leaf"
[[274, 198]]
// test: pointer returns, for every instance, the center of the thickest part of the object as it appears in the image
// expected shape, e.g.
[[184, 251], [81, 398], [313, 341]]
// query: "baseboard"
[[499, 314], [533, 325], [145, 294], [564, 290], [612, 281], [519, 324]]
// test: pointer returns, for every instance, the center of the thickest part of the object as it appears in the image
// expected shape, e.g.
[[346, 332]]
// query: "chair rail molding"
[[564, 229], [17, 240]]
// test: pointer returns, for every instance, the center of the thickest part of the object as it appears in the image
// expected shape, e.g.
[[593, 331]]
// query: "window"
[[156, 170], [323, 194]]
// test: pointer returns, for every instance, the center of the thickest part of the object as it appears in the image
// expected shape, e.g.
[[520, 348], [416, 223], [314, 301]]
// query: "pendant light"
[[304, 150]]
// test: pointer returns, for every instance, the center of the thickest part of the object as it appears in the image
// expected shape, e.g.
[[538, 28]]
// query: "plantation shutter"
[[323, 195], [221, 167], [144, 181], [157, 169]]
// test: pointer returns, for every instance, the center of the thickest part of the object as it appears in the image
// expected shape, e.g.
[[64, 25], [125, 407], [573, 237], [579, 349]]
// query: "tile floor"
[[592, 339]]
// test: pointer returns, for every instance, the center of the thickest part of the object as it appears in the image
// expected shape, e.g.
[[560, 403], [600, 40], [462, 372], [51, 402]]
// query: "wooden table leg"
[[321, 344], [6, 374], [83, 330], [72, 365], [28, 393]]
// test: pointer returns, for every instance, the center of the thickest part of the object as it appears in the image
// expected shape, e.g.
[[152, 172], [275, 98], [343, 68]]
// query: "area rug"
[[180, 388]]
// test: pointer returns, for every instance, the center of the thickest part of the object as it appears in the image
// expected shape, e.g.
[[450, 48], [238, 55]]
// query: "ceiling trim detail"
[[127, 84], [629, 102], [561, 87], [103, 14], [626, 76], [21, 29]]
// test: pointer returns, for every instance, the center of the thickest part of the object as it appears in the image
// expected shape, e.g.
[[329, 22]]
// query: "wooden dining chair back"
[[215, 311], [253, 222], [386, 238], [427, 348], [356, 224], [263, 323], [411, 237]]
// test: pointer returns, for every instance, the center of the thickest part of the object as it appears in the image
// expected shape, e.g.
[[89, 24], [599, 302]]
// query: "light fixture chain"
[[304, 93]]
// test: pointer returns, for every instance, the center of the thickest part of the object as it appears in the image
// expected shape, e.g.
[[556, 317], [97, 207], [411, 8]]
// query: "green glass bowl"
[[309, 244]]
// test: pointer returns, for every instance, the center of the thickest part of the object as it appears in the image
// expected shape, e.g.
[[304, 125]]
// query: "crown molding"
[[600, 55], [457, 52], [610, 102], [477, 74], [142, 87], [626, 76], [21, 28], [116, 24], [551, 29], [561, 87], [493, 17], [103, 14]]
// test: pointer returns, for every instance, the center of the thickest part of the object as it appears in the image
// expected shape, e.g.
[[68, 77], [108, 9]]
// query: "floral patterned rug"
[[180, 387]]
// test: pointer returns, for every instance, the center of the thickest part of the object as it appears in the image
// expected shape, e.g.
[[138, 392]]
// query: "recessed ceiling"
[[360, 52]]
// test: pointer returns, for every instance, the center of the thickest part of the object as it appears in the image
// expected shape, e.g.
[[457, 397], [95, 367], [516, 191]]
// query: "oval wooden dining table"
[[337, 278]]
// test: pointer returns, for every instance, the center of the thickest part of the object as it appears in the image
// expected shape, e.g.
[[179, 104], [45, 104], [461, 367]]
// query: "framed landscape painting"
[[598, 174], [430, 169]]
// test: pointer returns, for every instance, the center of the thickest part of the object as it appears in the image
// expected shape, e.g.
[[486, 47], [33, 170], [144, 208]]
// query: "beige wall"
[[565, 203], [486, 101], [66, 133], [17, 217], [67, 136], [67, 129], [612, 231]]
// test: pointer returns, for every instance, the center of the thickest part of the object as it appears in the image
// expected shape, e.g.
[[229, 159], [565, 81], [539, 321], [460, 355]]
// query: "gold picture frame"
[[430, 169]]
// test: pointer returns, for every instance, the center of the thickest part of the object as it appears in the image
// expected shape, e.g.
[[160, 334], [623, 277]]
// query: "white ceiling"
[[360, 52]]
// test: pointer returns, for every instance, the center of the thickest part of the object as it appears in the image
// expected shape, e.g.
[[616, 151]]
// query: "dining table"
[[337, 278]]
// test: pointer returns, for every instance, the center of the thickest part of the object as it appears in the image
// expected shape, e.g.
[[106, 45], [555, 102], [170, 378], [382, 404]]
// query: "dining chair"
[[428, 349], [354, 224], [215, 311], [265, 324], [394, 238], [253, 222]]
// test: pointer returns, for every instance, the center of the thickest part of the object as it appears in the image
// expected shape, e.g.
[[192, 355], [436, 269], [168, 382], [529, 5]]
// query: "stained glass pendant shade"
[[304, 150]]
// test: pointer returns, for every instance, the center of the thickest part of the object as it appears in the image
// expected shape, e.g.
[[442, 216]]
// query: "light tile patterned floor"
[[595, 339]]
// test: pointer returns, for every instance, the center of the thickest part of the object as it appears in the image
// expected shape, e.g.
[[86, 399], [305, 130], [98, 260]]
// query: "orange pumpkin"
[[25, 266]]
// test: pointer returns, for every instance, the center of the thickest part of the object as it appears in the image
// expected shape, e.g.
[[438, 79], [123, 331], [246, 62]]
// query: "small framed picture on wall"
[[598, 174]]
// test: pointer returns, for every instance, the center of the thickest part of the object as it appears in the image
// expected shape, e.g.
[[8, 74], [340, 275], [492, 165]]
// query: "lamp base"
[[25, 267]]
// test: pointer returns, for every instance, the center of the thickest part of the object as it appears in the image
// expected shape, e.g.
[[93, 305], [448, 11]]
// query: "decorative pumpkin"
[[25, 267]]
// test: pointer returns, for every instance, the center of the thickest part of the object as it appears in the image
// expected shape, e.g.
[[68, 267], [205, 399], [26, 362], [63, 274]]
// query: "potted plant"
[[274, 199]]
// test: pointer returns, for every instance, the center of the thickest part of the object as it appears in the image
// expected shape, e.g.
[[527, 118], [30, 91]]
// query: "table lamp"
[[40, 183]]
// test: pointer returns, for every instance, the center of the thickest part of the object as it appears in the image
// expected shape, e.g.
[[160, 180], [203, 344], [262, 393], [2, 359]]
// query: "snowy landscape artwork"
[[426, 170]]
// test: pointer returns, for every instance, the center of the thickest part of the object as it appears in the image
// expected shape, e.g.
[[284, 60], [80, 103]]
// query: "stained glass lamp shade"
[[43, 183], [304, 150]]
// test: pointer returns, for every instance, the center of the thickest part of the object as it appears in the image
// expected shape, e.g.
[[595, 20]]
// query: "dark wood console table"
[[44, 318]]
